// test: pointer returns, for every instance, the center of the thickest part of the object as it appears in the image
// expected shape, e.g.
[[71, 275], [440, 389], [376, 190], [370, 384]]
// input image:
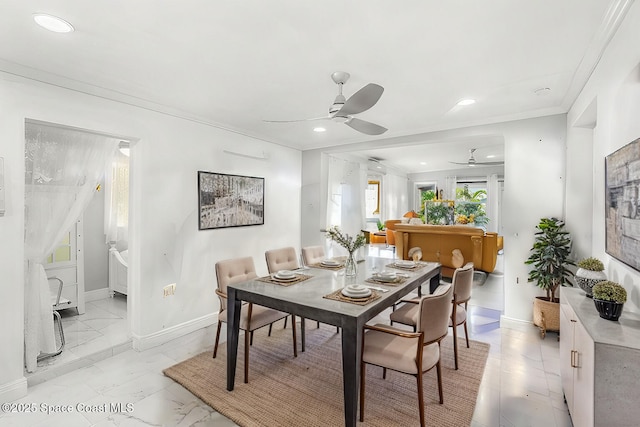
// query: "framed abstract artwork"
[[622, 204], [229, 200]]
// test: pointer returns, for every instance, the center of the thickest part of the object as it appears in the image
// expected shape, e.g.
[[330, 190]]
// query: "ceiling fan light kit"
[[342, 109]]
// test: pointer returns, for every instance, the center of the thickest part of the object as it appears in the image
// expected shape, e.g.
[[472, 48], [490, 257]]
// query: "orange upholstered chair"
[[390, 225]]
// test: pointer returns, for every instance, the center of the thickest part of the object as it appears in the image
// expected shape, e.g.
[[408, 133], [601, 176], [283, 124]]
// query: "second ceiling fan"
[[472, 161], [342, 109]]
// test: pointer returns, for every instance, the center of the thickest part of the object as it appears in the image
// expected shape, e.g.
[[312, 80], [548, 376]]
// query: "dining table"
[[309, 300]]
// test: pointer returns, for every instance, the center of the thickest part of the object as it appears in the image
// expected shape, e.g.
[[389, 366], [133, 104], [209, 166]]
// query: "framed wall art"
[[622, 204], [229, 200]]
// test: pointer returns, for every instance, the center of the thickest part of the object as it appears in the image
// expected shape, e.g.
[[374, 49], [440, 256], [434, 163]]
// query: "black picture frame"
[[622, 204], [226, 200]]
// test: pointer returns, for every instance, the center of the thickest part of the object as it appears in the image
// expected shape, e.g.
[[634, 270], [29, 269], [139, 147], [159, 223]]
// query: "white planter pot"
[[586, 279]]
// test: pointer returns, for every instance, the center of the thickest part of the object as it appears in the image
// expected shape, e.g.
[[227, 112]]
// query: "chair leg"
[[420, 399], [251, 341], [466, 333], [246, 355], [285, 322], [439, 371], [295, 341], [317, 325], [215, 346], [337, 329], [270, 326], [303, 333], [362, 372], [455, 344], [384, 373]]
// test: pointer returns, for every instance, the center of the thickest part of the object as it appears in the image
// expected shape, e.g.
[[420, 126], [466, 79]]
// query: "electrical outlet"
[[169, 290]]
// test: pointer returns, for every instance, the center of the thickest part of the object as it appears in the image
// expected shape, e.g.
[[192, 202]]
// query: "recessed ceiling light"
[[491, 156], [542, 91], [423, 163], [52, 23], [319, 129], [467, 101]]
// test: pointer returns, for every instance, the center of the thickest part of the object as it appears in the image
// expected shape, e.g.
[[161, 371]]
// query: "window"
[[372, 199], [471, 203]]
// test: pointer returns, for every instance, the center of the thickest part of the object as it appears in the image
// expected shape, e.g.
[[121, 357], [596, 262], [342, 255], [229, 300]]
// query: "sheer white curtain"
[[116, 190], [493, 197], [450, 184], [395, 196], [347, 182], [63, 168]]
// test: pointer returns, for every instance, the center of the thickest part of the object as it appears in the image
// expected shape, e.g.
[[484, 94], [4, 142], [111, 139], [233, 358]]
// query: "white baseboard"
[[141, 343], [517, 324], [96, 294], [13, 390]]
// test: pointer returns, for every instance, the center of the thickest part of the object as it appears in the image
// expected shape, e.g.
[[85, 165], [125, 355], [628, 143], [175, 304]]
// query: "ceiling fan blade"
[[459, 163], [300, 120], [365, 127], [362, 100], [490, 163]]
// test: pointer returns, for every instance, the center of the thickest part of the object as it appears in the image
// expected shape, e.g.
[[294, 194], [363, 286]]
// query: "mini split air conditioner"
[[374, 165]]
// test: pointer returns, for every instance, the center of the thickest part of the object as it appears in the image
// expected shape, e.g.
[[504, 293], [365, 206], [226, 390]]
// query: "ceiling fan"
[[472, 161], [342, 109]]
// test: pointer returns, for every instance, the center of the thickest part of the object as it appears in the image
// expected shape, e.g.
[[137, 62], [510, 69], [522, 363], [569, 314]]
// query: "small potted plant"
[[609, 297], [590, 271]]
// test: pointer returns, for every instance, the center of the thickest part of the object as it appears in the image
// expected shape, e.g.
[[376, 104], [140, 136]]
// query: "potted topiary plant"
[[549, 258], [590, 271], [609, 298]]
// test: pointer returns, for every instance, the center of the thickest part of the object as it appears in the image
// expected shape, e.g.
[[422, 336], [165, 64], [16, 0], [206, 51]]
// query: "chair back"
[[312, 254], [462, 283], [231, 271], [434, 313], [281, 259]]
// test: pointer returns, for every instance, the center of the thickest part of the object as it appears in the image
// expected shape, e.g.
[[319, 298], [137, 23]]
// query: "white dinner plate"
[[385, 278], [285, 274], [365, 293], [405, 263], [330, 262]]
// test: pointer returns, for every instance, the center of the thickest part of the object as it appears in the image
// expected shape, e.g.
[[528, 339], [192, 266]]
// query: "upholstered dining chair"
[[412, 353], [312, 255], [462, 282], [281, 259], [252, 316], [285, 259]]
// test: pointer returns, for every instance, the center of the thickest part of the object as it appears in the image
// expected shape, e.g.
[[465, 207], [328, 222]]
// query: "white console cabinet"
[[599, 363]]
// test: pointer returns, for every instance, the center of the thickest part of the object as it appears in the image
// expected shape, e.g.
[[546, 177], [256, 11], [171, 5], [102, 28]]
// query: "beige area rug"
[[307, 390]]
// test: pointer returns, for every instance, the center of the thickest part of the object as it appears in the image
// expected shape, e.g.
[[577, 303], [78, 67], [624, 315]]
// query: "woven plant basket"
[[546, 315]]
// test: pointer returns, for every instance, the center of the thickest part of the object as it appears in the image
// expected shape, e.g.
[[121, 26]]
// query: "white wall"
[[96, 251], [165, 244], [614, 90]]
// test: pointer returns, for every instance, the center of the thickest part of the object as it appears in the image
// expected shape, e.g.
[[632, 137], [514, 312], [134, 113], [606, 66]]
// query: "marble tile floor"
[[521, 384], [122, 387], [100, 332]]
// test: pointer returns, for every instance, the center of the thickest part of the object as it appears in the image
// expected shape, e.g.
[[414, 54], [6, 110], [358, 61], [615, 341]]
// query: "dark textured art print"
[[622, 186], [229, 200]]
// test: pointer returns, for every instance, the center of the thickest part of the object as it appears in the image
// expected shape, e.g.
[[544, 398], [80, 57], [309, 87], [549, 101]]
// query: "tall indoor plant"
[[549, 258]]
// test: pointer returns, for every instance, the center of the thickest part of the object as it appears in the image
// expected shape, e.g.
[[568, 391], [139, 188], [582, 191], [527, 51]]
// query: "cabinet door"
[[567, 322], [583, 384]]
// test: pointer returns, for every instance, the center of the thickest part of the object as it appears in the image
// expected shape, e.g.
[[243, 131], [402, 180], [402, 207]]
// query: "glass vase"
[[350, 266]]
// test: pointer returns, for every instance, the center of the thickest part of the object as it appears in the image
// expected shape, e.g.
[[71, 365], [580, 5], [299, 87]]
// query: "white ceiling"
[[234, 64]]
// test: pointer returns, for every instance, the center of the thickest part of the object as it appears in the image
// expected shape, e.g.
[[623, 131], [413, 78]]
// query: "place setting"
[[355, 294], [285, 277], [389, 278], [329, 264], [407, 264]]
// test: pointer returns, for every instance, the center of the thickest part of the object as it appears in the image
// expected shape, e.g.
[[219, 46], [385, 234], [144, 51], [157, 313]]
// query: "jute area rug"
[[307, 390]]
